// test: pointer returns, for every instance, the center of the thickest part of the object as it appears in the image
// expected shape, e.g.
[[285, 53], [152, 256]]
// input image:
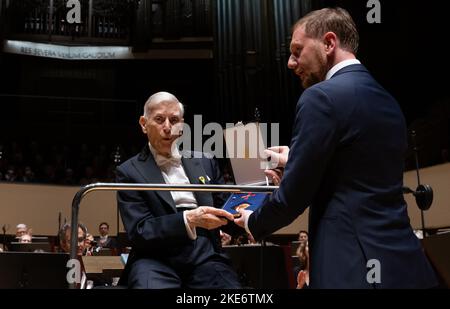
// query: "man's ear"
[[142, 123], [330, 41]]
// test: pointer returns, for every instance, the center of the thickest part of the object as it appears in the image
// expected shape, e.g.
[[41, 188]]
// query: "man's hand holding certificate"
[[277, 156]]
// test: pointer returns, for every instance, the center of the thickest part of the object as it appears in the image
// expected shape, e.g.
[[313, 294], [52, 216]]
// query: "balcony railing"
[[106, 21], [46, 20]]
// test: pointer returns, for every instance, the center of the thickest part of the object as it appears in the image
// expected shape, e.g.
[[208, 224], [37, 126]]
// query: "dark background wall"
[[92, 102]]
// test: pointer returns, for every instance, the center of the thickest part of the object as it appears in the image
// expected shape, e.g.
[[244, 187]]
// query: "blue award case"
[[248, 201]]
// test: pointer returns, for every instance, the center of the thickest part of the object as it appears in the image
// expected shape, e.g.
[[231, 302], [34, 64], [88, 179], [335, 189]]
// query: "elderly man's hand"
[[208, 217]]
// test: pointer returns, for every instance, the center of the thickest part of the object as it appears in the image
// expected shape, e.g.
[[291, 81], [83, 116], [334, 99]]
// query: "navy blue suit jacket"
[[346, 165], [154, 226]]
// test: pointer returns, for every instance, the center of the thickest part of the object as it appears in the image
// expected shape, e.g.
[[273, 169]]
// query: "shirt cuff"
[[246, 223], [192, 233]]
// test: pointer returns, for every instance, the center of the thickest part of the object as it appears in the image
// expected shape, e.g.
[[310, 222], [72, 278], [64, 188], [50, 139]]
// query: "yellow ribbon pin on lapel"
[[202, 179]]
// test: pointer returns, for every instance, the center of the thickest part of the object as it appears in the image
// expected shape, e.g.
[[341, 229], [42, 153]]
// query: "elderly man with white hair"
[[175, 235], [21, 229]]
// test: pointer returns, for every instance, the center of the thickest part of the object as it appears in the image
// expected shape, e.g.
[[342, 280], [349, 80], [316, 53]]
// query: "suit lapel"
[[195, 171], [147, 167]]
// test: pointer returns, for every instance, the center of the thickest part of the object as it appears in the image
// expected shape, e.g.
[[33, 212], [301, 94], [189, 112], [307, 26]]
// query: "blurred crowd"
[[87, 243], [66, 165], [59, 164]]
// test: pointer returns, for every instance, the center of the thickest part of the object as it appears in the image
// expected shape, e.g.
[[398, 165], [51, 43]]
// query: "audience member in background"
[[25, 238], [105, 241], [225, 239], [28, 175], [303, 274], [245, 239], [21, 229], [64, 238], [241, 240], [303, 236], [301, 254], [90, 245]]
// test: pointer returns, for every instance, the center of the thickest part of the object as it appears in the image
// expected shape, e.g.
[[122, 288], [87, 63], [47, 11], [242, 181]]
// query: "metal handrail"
[[147, 187]]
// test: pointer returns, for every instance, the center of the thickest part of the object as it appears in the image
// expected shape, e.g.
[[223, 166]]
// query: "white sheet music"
[[245, 147]]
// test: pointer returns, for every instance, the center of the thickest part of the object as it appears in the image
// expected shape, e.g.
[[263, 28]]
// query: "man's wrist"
[[246, 223], [191, 231]]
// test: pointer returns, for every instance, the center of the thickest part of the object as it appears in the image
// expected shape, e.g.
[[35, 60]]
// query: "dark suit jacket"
[[346, 163], [111, 242], [154, 226]]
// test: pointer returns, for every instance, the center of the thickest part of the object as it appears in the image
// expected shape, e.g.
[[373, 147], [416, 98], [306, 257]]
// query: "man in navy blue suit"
[[175, 236], [346, 164]]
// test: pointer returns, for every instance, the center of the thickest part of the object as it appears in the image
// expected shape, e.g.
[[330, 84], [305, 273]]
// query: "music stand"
[[30, 247], [40, 239], [24, 270], [103, 252], [102, 269]]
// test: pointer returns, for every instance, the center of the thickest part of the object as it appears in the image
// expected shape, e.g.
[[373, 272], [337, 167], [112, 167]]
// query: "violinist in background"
[[64, 238], [303, 273], [90, 245]]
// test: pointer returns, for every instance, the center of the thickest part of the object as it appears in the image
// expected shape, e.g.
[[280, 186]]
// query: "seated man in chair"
[[175, 235]]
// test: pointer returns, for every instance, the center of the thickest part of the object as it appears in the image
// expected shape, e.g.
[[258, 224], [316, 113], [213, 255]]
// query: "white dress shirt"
[[173, 173], [339, 66], [103, 240]]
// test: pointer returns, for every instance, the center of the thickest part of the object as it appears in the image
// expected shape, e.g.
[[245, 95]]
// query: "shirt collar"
[[174, 159], [341, 65]]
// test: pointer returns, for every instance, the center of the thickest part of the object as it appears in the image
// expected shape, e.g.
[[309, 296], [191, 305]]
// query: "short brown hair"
[[68, 226], [336, 20]]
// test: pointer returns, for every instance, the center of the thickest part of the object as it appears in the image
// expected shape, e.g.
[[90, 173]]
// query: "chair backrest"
[[103, 252]]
